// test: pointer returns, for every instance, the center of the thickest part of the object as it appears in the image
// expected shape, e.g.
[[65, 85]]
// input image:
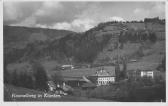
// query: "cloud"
[[115, 18], [47, 8], [29, 22], [78, 25], [63, 25], [83, 24], [14, 12], [77, 16], [10, 12], [138, 10], [155, 9]]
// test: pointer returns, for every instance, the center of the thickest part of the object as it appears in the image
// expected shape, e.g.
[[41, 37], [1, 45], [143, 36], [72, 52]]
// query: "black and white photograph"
[[84, 51]]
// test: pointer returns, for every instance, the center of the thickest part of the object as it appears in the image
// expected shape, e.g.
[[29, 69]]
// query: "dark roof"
[[87, 71], [108, 71], [88, 85], [51, 84], [73, 79], [67, 88]]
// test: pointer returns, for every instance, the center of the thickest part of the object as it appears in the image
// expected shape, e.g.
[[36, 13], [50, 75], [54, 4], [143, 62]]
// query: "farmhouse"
[[104, 77], [74, 81], [147, 73], [135, 74]]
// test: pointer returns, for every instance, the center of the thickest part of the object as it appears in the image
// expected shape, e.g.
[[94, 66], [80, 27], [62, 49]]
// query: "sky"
[[76, 16]]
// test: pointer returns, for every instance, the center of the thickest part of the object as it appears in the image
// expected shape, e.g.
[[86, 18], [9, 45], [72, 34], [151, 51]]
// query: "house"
[[51, 85], [67, 67], [147, 73], [104, 76], [74, 81], [62, 89], [136, 74]]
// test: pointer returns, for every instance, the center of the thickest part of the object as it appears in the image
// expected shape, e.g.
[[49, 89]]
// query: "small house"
[[147, 73], [67, 67], [51, 85], [74, 81]]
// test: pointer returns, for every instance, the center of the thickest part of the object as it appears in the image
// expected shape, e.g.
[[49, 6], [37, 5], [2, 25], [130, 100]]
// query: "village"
[[87, 78]]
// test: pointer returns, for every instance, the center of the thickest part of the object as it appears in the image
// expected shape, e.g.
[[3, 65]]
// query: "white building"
[[67, 67], [104, 77], [147, 74]]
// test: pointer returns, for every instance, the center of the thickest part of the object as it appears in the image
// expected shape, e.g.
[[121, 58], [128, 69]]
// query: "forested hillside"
[[99, 45]]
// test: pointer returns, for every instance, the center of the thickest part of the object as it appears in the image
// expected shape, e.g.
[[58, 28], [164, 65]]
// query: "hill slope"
[[98, 45]]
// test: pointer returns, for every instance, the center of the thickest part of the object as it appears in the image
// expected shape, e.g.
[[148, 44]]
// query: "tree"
[[6, 74], [25, 80], [123, 72], [40, 77], [162, 66], [22, 80], [57, 77], [15, 79], [152, 37], [140, 52], [117, 71], [28, 81]]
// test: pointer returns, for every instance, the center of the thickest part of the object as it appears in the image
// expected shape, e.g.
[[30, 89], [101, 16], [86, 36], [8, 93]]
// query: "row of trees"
[[37, 80], [137, 36]]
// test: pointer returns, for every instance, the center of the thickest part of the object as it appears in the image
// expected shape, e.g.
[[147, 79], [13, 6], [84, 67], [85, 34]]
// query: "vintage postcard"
[[88, 51]]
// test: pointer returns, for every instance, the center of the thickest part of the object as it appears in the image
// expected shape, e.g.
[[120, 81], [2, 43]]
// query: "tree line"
[[137, 36], [37, 80]]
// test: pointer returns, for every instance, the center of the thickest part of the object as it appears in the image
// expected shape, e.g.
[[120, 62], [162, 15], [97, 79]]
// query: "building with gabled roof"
[[104, 76], [51, 85]]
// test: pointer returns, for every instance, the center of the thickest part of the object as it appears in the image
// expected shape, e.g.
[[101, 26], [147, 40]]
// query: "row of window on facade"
[[105, 80]]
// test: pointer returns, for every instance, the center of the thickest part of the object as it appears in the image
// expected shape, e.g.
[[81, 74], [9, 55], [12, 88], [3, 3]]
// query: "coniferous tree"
[[6, 74], [22, 79], [57, 78], [29, 82], [152, 37], [40, 77], [123, 73], [15, 79], [117, 71]]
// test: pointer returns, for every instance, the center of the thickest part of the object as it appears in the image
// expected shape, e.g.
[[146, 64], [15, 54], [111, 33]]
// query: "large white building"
[[105, 77]]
